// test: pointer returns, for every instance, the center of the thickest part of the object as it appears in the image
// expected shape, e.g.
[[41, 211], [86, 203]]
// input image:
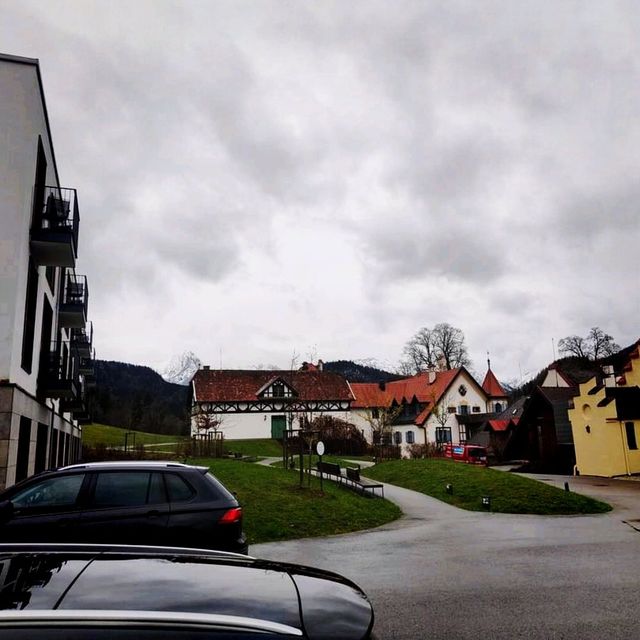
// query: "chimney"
[[320, 365], [609, 377], [431, 377]]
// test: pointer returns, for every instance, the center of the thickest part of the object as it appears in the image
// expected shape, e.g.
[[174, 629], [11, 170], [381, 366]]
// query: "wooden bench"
[[353, 475], [330, 469]]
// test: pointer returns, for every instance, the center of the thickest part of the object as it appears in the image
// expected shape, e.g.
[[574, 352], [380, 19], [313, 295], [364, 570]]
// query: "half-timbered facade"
[[263, 403]]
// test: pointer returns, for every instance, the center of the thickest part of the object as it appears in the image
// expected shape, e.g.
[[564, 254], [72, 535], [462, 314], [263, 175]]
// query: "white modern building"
[[46, 352]]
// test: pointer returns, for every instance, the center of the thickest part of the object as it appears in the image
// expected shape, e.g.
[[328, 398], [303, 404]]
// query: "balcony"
[[87, 368], [58, 376], [72, 309], [54, 232], [82, 340]]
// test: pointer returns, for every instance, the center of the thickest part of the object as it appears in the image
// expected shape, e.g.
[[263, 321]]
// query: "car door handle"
[[153, 514]]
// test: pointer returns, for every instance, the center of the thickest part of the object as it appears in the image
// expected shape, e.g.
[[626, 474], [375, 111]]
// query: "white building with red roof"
[[263, 403], [430, 407]]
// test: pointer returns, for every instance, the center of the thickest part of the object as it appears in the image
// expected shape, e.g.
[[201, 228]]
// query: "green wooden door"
[[278, 425]]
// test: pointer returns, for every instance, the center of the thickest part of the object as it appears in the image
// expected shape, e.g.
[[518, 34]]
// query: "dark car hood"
[[322, 604]]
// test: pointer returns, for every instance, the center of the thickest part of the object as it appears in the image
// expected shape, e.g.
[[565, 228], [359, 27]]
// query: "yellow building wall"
[[602, 450]]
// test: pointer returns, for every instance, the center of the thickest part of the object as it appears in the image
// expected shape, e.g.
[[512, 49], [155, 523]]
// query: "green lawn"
[[93, 434], [509, 492], [275, 508], [262, 447]]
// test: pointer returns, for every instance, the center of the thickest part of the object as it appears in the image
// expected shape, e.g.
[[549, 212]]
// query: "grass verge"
[[276, 508], [261, 447], [93, 434], [509, 493]]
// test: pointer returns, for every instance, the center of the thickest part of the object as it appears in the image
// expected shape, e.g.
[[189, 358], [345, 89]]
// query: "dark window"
[[451, 409], [498, 407], [397, 437], [443, 434], [61, 440], [50, 273], [121, 489], [463, 410], [29, 317], [179, 490], [41, 448], [476, 409], [45, 345], [53, 492], [278, 390], [631, 435], [411, 438], [54, 448], [24, 444]]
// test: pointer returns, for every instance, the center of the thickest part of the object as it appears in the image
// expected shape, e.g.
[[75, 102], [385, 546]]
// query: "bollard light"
[[566, 486], [486, 502], [449, 489]]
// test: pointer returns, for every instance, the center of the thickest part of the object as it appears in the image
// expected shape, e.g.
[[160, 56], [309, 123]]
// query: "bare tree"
[[440, 347], [601, 344], [573, 345], [381, 421], [596, 345]]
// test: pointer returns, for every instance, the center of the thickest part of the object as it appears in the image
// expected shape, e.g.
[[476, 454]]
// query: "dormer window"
[[277, 389]]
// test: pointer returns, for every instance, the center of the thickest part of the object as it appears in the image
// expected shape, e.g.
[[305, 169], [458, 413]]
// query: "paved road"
[[440, 572]]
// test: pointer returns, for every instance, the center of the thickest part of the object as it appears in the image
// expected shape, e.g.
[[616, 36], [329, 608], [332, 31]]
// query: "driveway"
[[441, 572]]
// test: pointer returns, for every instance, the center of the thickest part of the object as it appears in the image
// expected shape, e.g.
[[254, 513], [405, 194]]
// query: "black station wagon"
[[106, 592], [150, 503]]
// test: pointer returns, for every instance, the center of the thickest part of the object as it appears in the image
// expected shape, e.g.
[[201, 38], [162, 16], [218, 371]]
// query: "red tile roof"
[[370, 395], [500, 425], [229, 385], [492, 387]]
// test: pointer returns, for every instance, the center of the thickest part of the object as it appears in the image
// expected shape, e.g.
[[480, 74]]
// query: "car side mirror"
[[6, 511]]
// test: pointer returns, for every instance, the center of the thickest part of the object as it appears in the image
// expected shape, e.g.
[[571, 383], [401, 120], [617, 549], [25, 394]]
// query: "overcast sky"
[[258, 178]]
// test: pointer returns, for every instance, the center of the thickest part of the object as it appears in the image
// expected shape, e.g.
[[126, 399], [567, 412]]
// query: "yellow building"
[[605, 420]]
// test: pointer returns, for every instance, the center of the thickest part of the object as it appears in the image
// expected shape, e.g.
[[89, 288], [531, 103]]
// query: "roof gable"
[[492, 387]]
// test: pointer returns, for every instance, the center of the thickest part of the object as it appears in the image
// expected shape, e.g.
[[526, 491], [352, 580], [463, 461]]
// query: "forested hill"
[[355, 372], [136, 397], [132, 396]]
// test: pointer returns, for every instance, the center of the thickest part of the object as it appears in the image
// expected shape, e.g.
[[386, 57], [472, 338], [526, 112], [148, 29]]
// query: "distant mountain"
[[181, 369], [136, 397], [355, 372]]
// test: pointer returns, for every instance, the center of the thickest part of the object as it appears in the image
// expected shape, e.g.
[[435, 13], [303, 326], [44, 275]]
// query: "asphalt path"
[[442, 572]]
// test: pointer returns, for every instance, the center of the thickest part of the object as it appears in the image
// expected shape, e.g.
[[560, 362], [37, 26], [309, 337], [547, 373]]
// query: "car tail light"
[[231, 516]]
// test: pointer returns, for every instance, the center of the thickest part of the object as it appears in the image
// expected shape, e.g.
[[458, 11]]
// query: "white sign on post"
[[320, 448]]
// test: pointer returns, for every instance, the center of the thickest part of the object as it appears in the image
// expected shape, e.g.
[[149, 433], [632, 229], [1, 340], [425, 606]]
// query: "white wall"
[[22, 119], [240, 426]]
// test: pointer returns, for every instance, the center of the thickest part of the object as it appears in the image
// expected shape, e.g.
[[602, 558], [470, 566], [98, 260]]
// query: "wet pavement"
[[442, 572]]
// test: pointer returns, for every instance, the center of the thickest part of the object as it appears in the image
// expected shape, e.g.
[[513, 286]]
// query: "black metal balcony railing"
[[54, 233], [72, 308], [87, 368], [58, 376], [82, 340], [76, 402]]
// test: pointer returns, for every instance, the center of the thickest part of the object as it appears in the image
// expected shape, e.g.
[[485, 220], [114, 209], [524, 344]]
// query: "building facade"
[[605, 419], [432, 407], [46, 351], [263, 403]]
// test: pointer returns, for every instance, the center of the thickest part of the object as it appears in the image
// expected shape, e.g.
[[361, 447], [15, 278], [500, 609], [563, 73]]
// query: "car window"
[[179, 490], [157, 493], [121, 489], [53, 492]]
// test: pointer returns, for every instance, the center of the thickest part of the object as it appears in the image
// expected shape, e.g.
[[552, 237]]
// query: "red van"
[[469, 453]]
